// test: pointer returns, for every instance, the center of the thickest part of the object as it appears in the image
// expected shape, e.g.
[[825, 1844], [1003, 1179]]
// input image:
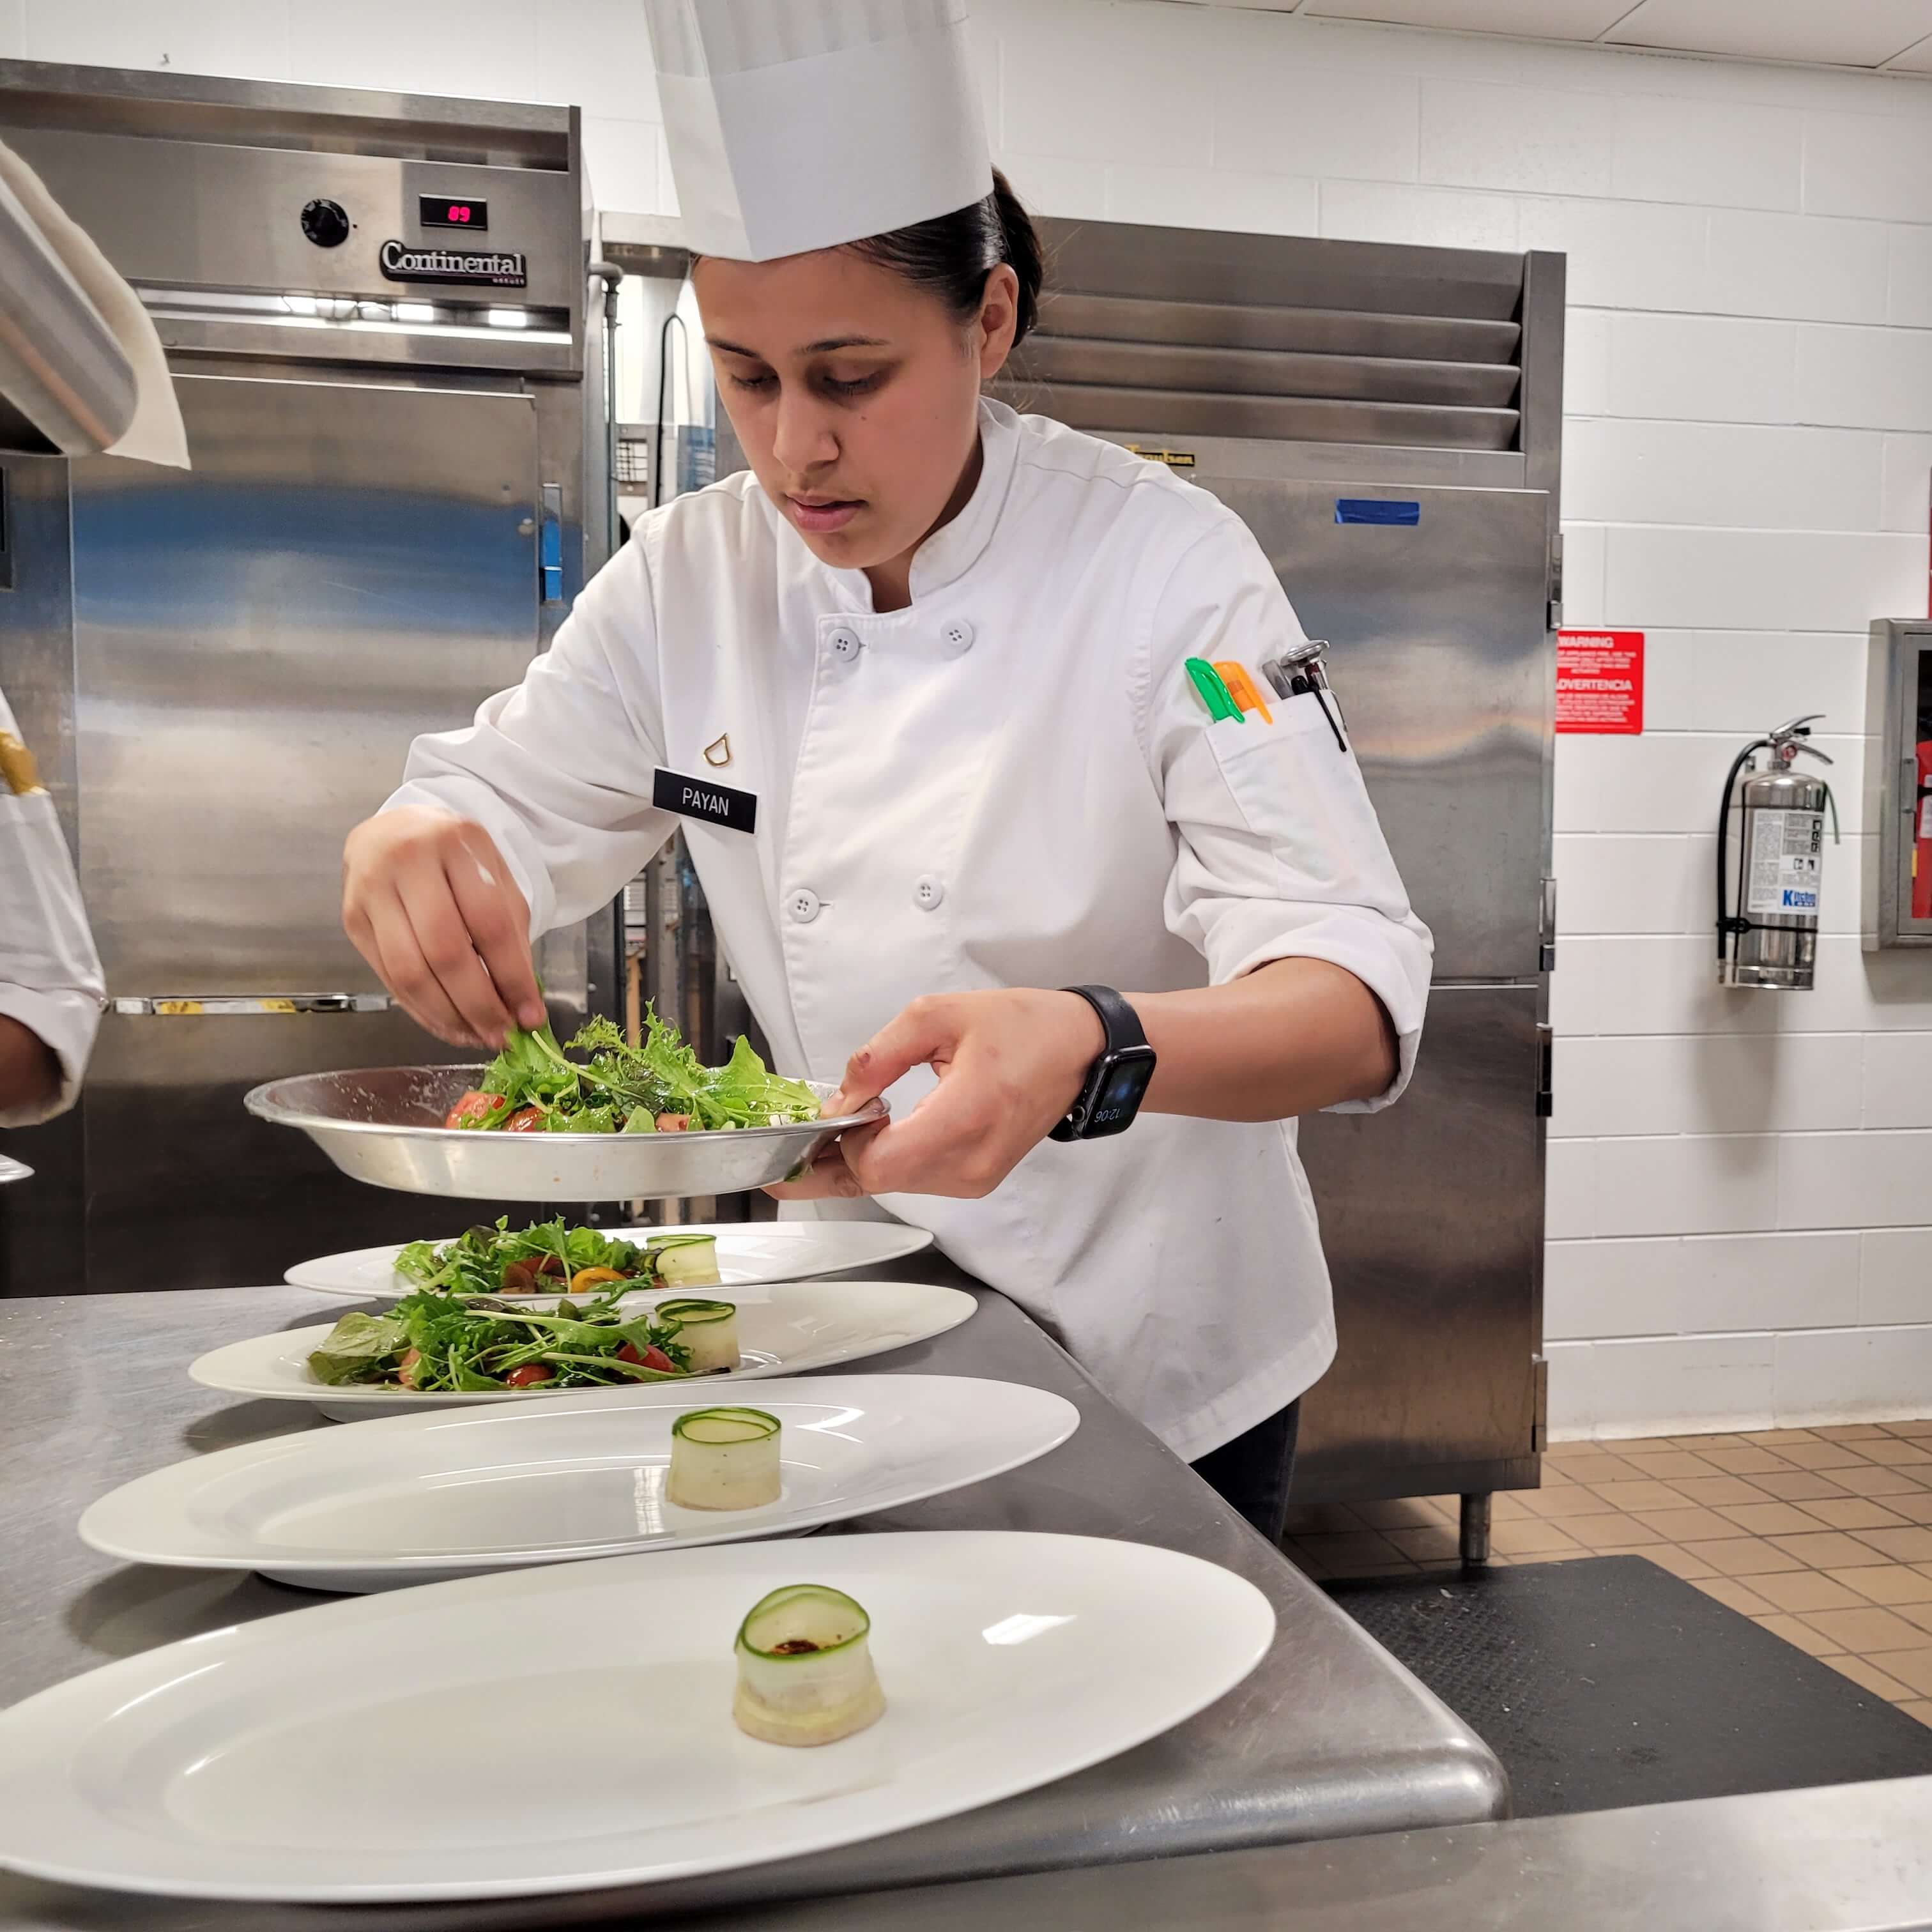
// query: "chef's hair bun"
[[952, 255]]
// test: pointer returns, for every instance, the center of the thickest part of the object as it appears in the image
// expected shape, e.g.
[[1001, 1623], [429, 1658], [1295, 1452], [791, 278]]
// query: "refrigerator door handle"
[[227, 1006]]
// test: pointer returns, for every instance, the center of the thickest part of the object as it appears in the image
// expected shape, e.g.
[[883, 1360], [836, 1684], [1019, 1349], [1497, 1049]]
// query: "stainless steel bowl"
[[384, 1125]]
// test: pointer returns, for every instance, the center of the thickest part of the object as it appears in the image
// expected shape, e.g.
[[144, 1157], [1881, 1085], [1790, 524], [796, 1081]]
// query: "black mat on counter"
[[1608, 1681]]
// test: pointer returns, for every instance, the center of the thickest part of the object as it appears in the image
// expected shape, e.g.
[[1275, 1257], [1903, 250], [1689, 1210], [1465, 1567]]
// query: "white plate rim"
[[206, 1368], [915, 1240], [108, 1677], [172, 1486]]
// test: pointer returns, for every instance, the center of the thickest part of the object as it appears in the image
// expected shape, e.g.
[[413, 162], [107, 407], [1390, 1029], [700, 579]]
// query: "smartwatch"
[[1117, 1082]]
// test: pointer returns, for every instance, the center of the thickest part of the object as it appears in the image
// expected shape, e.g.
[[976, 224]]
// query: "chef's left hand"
[[1010, 1062]]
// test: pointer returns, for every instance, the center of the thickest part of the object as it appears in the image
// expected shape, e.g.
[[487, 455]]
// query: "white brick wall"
[[1740, 1205]]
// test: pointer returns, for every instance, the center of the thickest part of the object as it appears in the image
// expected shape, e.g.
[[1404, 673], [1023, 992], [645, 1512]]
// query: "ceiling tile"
[[1850, 33], [1916, 59], [1542, 19]]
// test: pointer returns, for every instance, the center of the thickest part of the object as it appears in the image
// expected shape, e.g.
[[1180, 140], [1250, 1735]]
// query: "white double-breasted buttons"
[[803, 905], [845, 645], [927, 892], [955, 638]]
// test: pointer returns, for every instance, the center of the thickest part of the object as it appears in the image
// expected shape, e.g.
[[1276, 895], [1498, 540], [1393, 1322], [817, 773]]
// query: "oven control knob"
[[326, 223]]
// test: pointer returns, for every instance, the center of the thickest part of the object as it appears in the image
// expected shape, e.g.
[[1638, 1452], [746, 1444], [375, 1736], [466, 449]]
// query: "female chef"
[[914, 688]]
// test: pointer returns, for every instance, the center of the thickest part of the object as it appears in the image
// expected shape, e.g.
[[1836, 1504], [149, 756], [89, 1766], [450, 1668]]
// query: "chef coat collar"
[[949, 553]]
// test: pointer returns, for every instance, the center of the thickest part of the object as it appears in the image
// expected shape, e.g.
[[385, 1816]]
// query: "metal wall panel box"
[[1898, 882]]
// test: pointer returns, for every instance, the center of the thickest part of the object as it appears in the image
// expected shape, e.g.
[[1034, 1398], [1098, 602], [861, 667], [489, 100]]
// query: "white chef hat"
[[795, 124]]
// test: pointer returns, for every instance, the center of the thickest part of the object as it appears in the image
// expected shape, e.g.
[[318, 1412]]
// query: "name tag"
[[705, 798]]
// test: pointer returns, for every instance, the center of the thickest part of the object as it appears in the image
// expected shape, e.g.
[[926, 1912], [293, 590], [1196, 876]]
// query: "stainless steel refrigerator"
[[1387, 420], [374, 309]]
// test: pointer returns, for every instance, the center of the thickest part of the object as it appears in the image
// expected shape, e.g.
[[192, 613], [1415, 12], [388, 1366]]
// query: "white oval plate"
[[787, 1328], [425, 1498], [567, 1728], [748, 1252]]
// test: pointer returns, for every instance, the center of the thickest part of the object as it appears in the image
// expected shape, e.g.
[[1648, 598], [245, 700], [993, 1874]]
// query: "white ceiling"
[[1894, 35]]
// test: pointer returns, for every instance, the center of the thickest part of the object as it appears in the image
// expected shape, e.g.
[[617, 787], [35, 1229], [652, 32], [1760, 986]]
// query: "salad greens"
[[534, 1087], [551, 1256], [435, 1341]]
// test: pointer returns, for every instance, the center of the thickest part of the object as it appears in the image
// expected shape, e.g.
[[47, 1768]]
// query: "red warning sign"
[[1599, 681]]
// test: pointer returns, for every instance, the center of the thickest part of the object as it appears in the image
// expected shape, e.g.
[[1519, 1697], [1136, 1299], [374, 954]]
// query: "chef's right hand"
[[429, 903]]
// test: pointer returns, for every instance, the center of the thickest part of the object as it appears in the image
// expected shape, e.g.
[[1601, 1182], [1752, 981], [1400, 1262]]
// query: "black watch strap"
[[1121, 1023]]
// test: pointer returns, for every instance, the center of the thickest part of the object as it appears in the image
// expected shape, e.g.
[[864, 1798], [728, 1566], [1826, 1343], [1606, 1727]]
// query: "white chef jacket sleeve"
[[1280, 855], [50, 979], [557, 770]]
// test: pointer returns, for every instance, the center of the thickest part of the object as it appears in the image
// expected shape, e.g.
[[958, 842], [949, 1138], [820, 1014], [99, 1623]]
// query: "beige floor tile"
[[1919, 1614], [1920, 1426], [1665, 1465], [1572, 1499], [1708, 1492], [1638, 1445], [1745, 1556], [1876, 1480], [1919, 1707], [1769, 1518], [1852, 1432], [1507, 1506], [1740, 1596], [1698, 1444], [1911, 1544], [1811, 1590], [1771, 1438], [1825, 1455], [1853, 1513], [1829, 1549], [1627, 1496], [1598, 1467], [1436, 1542], [1870, 1675], [1889, 1583], [1915, 1505], [1797, 1486], [1679, 1562], [1866, 1631], [1613, 1531], [1569, 1556], [1894, 1452], [1399, 1513], [1795, 1631], [1911, 1668], [1534, 1538], [1353, 1551], [1680, 1526], [1747, 1462]]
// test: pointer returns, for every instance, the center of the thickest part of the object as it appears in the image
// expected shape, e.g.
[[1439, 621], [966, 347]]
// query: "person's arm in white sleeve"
[[1281, 858], [50, 980], [530, 818]]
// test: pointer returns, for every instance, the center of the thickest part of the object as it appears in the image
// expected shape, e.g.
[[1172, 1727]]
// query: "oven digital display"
[[448, 211]]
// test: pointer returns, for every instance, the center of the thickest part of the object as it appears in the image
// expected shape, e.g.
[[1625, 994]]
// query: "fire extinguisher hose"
[[1725, 917]]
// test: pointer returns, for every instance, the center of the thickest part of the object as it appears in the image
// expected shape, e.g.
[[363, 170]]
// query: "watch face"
[[1122, 1088]]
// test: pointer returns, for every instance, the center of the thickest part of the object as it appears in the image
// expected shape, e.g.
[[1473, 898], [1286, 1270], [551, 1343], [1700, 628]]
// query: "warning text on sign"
[[1599, 681]]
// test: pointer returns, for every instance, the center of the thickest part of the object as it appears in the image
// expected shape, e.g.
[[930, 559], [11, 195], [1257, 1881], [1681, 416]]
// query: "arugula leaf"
[[356, 1348]]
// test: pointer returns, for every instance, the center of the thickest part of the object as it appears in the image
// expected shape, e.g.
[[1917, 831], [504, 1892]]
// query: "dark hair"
[[952, 255]]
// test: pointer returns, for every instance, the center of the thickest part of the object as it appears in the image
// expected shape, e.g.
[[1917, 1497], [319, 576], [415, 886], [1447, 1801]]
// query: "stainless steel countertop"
[[1847, 1858], [1329, 1738]]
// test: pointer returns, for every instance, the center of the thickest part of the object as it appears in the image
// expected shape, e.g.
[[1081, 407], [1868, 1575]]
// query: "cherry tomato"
[[475, 1105], [406, 1370], [592, 1278], [674, 1123], [550, 1264], [525, 1121], [531, 1371], [520, 1278], [652, 1357]]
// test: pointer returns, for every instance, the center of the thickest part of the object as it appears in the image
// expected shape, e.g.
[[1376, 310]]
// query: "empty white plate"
[[424, 1498], [562, 1729], [748, 1251], [784, 1329]]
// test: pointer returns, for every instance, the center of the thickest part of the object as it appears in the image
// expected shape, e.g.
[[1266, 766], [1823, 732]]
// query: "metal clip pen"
[[1301, 672]]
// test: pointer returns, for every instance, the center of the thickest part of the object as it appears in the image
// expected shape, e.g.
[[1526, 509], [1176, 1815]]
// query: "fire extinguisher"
[[1769, 937], [1922, 840]]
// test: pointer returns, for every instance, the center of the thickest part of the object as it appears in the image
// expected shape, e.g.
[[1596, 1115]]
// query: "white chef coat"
[[49, 973], [1010, 783]]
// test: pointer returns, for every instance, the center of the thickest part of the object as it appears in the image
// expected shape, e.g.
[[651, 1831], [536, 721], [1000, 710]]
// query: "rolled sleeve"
[[50, 977], [551, 768], [1279, 853]]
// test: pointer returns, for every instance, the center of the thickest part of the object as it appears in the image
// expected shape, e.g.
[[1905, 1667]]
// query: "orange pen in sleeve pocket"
[[1241, 687]]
